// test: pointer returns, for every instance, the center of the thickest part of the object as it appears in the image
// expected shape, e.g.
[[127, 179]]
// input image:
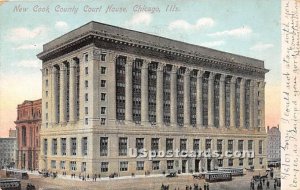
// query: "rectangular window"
[[155, 144], [73, 165], [103, 120], [86, 121], [104, 166], [86, 70], [54, 146], [103, 146], [220, 162], [230, 146], [86, 97], [63, 142], [140, 165], [103, 110], [103, 83], [46, 105], [103, 96], [240, 146], [83, 166], [230, 162], [170, 164], [103, 70], [47, 116], [86, 110], [260, 147], [86, 57], [207, 144], [139, 144], [219, 145], [63, 165], [261, 161], [250, 161], [102, 56], [250, 145], [196, 144], [46, 93], [155, 165], [169, 145], [123, 166], [53, 164], [45, 146], [84, 146], [183, 143], [86, 84], [73, 146], [241, 161], [122, 146], [46, 83]]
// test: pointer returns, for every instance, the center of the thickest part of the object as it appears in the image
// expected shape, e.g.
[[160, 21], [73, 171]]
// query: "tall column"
[[187, 97], [173, 95], [159, 94], [144, 91], [255, 108], [251, 105], [54, 96], [128, 89], [72, 92], [199, 108], [111, 91], [63, 94], [211, 99], [262, 89], [232, 102], [222, 101], [242, 103]]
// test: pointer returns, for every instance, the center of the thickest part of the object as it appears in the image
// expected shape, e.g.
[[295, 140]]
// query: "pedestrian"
[[268, 184]]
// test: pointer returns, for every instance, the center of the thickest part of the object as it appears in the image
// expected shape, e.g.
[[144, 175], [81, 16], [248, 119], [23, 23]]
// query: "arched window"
[[24, 136]]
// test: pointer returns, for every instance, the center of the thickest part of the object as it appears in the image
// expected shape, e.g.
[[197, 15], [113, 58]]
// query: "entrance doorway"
[[197, 162]]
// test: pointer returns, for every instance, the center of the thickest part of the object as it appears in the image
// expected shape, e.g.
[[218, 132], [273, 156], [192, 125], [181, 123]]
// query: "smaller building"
[[8, 148], [28, 126], [273, 146]]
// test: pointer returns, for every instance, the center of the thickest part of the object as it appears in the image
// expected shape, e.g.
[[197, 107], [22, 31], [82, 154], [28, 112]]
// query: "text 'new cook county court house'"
[[107, 89]]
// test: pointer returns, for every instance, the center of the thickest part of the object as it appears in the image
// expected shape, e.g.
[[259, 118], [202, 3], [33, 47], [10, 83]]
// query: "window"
[[63, 146], [86, 110], [103, 120], [219, 146], [169, 145], [230, 146], [73, 165], [250, 145], [103, 146], [86, 121], [63, 165], [230, 162], [207, 144], [86, 57], [103, 110], [196, 144], [83, 166], [46, 105], [103, 83], [240, 146], [102, 56], [140, 165], [139, 144], [260, 148], [46, 93], [261, 161], [47, 83], [155, 144], [170, 164], [155, 165], [123, 166], [241, 161], [53, 164], [103, 70], [47, 116], [183, 144], [86, 70], [45, 146], [86, 97], [73, 146], [103, 96], [220, 162], [84, 146], [104, 166], [122, 146], [250, 161], [24, 138], [54, 146], [86, 84]]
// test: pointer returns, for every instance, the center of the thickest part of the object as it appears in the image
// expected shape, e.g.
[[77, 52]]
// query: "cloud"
[[23, 33], [61, 25], [261, 46], [28, 47], [237, 32], [144, 18], [213, 43], [30, 63], [201, 23]]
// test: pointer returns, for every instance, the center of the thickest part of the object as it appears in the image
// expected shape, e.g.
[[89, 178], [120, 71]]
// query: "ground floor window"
[[53, 164], [73, 165], [155, 165], [123, 166], [241, 162], [261, 161], [140, 165], [170, 164], [230, 162], [104, 166], [220, 162], [250, 161]]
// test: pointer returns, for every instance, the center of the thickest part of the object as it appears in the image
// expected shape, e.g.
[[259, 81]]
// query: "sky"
[[248, 27]]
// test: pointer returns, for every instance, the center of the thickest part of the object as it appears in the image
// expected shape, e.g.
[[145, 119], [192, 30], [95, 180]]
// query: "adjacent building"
[[8, 147], [273, 145], [28, 125], [107, 89]]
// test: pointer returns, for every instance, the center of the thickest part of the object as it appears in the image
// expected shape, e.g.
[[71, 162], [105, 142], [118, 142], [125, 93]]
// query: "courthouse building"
[[107, 89], [28, 125]]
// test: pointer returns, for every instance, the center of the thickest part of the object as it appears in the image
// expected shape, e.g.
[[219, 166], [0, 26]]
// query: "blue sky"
[[250, 28]]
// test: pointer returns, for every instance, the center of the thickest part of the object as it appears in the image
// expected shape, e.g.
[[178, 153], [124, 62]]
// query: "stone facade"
[[273, 144], [28, 125], [8, 148], [108, 89]]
